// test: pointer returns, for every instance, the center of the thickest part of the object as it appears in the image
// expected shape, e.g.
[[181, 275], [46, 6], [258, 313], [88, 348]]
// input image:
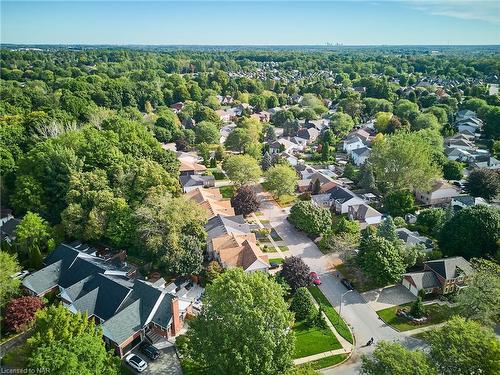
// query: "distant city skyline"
[[237, 22]]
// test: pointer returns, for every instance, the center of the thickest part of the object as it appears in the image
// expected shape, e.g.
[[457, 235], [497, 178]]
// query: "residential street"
[[355, 310]]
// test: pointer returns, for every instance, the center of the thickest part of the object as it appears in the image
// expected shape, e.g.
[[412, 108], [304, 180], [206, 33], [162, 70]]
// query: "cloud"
[[481, 10]]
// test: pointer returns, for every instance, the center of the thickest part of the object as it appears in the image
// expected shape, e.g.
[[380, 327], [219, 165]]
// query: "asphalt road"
[[355, 310]]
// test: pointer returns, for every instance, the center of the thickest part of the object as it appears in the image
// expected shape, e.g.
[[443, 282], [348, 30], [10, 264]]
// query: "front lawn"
[[286, 200], [313, 340], [436, 313], [331, 313], [276, 260], [325, 362], [360, 282], [227, 191]]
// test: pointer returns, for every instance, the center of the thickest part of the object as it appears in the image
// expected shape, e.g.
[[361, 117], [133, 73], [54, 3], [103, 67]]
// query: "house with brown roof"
[[188, 168], [211, 201], [236, 250], [441, 193]]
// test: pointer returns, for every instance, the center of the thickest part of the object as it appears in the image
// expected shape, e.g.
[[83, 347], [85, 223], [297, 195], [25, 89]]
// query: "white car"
[[136, 362]]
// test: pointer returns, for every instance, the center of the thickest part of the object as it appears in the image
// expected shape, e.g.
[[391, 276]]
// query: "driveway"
[[167, 364], [389, 296], [362, 318]]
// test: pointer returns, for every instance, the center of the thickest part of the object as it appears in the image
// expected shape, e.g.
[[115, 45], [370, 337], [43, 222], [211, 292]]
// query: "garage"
[[408, 285]]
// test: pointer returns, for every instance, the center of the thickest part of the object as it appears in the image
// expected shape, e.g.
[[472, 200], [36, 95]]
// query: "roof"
[[44, 279], [220, 225], [413, 238], [243, 256], [341, 194], [9, 227], [187, 166], [424, 280], [195, 180], [449, 268], [362, 151], [363, 211]]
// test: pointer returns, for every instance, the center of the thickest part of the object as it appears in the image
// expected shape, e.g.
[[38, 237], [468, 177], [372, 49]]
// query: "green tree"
[[302, 305], [281, 180], [243, 327], [366, 179], [341, 124], [325, 151], [417, 308], [472, 232], [464, 347], [238, 140], [431, 220], [395, 359], [399, 203], [387, 229], [33, 236], [68, 343], [453, 170], [8, 285], [382, 121], [266, 161], [381, 260], [242, 169], [426, 121], [403, 161], [483, 183], [479, 301], [310, 218], [207, 132]]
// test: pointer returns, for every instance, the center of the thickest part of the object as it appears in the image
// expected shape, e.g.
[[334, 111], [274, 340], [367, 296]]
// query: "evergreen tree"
[[266, 161], [316, 187], [387, 229], [325, 152], [367, 179], [417, 308]]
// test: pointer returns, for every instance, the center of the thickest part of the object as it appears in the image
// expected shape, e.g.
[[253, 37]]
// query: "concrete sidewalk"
[[315, 357]]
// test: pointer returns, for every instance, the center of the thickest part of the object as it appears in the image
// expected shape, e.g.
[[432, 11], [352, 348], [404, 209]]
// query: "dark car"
[[274, 265], [150, 351], [347, 284]]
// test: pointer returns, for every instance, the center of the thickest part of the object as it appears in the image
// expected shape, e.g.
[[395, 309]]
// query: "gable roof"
[[362, 151], [449, 268], [424, 280], [9, 227], [187, 166], [194, 180], [221, 225], [243, 256]]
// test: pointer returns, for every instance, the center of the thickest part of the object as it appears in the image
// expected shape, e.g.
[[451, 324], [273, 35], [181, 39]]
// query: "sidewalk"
[[314, 357], [261, 226], [423, 329]]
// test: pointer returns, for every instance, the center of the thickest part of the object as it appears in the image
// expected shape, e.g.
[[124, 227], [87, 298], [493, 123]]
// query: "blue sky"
[[354, 22]]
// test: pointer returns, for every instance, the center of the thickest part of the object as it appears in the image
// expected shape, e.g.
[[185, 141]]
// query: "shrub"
[[302, 305], [20, 312]]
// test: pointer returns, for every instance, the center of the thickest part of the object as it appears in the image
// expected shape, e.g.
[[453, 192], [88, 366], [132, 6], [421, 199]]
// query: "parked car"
[[151, 351], [347, 284], [274, 265], [315, 278], [136, 362]]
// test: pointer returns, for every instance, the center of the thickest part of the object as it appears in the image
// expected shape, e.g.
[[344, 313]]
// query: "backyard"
[[313, 340], [437, 314]]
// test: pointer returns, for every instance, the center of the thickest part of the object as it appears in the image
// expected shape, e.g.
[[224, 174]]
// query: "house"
[[239, 251], [225, 131], [224, 116], [338, 199], [177, 107], [108, 292], [304, 171], [365, 214], [8, 229], [441, 193], [193, 181], [490, 163], [414, 238], [284, 145], [220, 225], [309, 134], [326, 183], [463, 201], [290, 158], [5, 215], [441, 276], [188, 168], [352, 143], [360, 155], [211, 201]]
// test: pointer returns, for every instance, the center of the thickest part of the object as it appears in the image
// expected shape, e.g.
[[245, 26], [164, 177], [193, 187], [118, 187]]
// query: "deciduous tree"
[[281, 180], [20, 312], [242, 169], [245, 201], [296, 273]]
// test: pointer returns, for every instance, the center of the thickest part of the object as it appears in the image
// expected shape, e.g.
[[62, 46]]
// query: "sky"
[[239, 22]]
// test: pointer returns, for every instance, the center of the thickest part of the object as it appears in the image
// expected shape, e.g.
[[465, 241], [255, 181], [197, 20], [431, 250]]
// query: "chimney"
[[176, 319]]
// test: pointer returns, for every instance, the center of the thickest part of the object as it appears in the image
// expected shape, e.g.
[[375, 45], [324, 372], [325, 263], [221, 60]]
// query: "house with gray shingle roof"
[[108, 292], [441, 276]]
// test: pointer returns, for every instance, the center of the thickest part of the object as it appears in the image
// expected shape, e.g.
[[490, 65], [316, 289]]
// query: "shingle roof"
[[449, 268], [424, 280], [9, 227], [194, 180], [220, 225], [44, 279]]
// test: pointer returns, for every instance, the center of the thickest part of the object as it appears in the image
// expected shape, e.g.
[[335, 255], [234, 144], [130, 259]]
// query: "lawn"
[[286, 200], [227, 191], [437, 313], [331, 313], [325, 362], [284, 248], [276, 260], [313, 340], [356, 277]]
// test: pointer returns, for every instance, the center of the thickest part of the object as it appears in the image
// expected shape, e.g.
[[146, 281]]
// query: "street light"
[[341, 297]]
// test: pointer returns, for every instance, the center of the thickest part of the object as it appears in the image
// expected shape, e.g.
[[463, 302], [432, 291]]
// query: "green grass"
[[331, 313], [263, 221], [325, 362], [284, 248], [436, 313], [286, 200], [276, 260], [354, 275], [227, 191], [313, 340]]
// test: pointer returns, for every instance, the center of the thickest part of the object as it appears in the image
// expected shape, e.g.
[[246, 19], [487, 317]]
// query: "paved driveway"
[[167, 364], [389, 296]]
